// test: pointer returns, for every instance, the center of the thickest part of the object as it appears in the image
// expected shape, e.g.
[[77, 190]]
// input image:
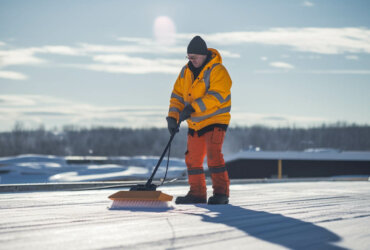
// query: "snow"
[[299, 215], [42, 169]]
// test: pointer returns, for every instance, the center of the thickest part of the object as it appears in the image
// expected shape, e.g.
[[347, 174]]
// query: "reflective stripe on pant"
[[211, 144]]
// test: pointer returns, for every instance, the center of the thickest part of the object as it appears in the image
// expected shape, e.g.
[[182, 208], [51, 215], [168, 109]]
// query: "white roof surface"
[[303, 215], [296, 155]]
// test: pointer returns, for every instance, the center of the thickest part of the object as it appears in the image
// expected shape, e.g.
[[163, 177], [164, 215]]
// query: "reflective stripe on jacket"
[[209, 94]]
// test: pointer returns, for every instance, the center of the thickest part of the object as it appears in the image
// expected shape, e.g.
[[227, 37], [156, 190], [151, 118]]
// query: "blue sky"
[[113, 63]]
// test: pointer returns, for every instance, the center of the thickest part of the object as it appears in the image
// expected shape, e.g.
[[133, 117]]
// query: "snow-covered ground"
[[42, 169], [300, 215]]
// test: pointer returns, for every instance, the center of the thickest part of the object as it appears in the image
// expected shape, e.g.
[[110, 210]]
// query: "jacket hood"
[[216, 57]]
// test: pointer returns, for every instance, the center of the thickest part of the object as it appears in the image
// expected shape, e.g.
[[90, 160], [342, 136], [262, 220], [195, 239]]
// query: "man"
[[201, 95]]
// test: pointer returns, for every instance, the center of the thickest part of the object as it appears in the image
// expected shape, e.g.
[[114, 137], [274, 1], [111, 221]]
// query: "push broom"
[[144, 195]]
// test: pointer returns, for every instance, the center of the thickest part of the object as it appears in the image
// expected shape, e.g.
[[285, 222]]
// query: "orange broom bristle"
[[121, 204], [140, 199]]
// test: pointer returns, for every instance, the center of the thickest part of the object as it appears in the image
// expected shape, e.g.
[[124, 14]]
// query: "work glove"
[[172, 125], [186, 112]]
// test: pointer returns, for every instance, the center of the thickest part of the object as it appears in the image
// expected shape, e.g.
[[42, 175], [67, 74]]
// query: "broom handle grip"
[[161, 158]]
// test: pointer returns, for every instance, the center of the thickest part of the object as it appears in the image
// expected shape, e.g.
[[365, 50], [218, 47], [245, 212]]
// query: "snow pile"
[[41, 169]]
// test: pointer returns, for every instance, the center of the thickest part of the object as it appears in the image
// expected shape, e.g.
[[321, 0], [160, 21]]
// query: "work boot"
[[190, 199], [218, 199]]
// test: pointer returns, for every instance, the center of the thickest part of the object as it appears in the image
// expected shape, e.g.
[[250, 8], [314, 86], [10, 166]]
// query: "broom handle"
[[161, 158]]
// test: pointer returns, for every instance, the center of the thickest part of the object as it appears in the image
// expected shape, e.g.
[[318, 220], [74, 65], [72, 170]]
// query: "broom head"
[[140, 196], [140, 199]]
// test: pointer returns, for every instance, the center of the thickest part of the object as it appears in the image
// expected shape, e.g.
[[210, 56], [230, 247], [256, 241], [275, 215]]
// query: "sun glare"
[[164, 30]]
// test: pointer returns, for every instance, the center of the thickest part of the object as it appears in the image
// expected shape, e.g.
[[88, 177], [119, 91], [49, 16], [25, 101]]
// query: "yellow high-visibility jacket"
[[209, 94]]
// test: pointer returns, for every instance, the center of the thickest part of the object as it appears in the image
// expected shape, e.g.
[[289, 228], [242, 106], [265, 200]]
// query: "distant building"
[[290, 164]]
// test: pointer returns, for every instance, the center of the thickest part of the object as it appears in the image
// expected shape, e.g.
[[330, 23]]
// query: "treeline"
[[103, 141]]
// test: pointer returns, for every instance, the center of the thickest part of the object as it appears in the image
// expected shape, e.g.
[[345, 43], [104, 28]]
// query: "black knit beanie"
[[197, 46]]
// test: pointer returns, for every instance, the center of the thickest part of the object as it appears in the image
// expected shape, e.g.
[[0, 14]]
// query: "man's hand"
[[172, 125], [186, 112]]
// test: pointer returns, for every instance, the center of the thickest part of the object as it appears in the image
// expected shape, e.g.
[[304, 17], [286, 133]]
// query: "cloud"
[[27, 56], [281, 65], [318, 72], [44, 113], [19, 57], [268, 71], [104, 58], [340, 72], [241, 118], [310, 57], [228, 54], [16, 100], [142, 46], [126, 49], [36, 110], [275, 118], [135, 55], [130, 69], [314, 40], [135, 60], [111, 59], [352, 57], [134, 65], [12, 75], [60, 50], [138, 40], [308, 4]]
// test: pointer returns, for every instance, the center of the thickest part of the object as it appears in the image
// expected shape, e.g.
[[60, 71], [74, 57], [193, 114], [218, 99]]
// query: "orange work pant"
[[198, 146]]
